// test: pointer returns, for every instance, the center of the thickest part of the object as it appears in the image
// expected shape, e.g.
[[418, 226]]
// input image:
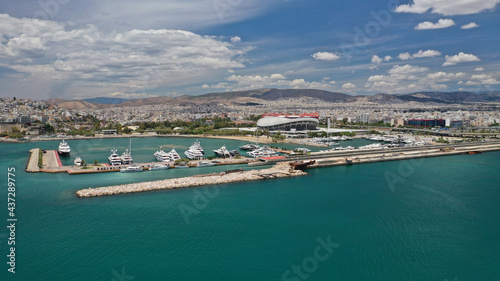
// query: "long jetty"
[[280, 170], [284, 169], [32, 166]]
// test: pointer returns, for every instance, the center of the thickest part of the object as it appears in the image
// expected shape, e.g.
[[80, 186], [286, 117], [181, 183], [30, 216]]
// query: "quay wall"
[[32, 166]]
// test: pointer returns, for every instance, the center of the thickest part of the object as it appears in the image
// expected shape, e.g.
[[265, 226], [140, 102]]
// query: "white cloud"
[[387, 58], [420, 54], [326, 56], [485, 79], [376, 59], [405, 69], [411, 77], [439, 86], [235, 39], [460, 58], [469, 25], [134, 60], [442, 23], [404, 56], [251, 82], [479, 69], [426, 54], [447, 8], [443, 76], [348, 86]]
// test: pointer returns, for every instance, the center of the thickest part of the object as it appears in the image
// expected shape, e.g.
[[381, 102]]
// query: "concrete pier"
[[32, 166], [281, 170]]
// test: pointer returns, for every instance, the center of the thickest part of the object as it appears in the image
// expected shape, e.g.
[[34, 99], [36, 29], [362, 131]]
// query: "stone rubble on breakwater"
[[280, 170], [32, 166]]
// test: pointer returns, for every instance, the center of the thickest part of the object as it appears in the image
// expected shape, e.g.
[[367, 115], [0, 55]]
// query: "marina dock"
[[284, 168], [32, 166]]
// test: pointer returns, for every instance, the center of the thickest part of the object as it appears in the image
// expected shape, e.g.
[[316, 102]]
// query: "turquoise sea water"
[[431, 219]]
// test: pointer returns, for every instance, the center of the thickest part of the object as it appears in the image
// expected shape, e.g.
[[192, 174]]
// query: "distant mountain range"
[[253, 97], [106, 100]]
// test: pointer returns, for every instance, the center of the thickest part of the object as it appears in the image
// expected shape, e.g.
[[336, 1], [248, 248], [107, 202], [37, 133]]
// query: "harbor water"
[[422, 219]]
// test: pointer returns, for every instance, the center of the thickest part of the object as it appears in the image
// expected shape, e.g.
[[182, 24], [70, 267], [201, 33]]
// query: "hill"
[[103, 100], [259, 96]]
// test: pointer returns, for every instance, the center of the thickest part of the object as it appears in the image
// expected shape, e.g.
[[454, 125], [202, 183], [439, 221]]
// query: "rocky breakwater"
[[32, 166], [280, 170]]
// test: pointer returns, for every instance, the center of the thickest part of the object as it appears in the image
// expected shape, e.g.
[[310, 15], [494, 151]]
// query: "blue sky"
[[131, 49]]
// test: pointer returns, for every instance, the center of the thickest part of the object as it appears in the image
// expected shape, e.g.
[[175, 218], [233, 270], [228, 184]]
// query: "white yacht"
[[78, 161], [162, 156], [174, 155], [127, 158], [64, 148], [160, 167], [114, 158], [249, 146], [223, 152], [205, 164], [195, 151], [131, 169], [264, 151]]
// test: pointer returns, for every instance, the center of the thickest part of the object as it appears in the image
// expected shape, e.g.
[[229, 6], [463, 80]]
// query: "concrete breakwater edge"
[[32, 166], [280, 170]]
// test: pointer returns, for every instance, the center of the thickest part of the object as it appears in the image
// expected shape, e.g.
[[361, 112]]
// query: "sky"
[[137, 49]]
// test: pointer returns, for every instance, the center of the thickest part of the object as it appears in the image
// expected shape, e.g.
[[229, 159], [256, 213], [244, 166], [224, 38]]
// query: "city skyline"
[[126, 50]]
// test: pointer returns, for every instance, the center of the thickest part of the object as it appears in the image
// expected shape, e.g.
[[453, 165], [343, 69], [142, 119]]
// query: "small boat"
[[131, 169], [160, 167], [300, 165], [78, 161], [205, 164], [181, 166], [64, 148], [302, 150]]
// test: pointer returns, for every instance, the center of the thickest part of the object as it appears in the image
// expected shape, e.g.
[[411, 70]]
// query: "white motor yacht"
[[131, 169], [114, 158], [195, 151], [64, 148]]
